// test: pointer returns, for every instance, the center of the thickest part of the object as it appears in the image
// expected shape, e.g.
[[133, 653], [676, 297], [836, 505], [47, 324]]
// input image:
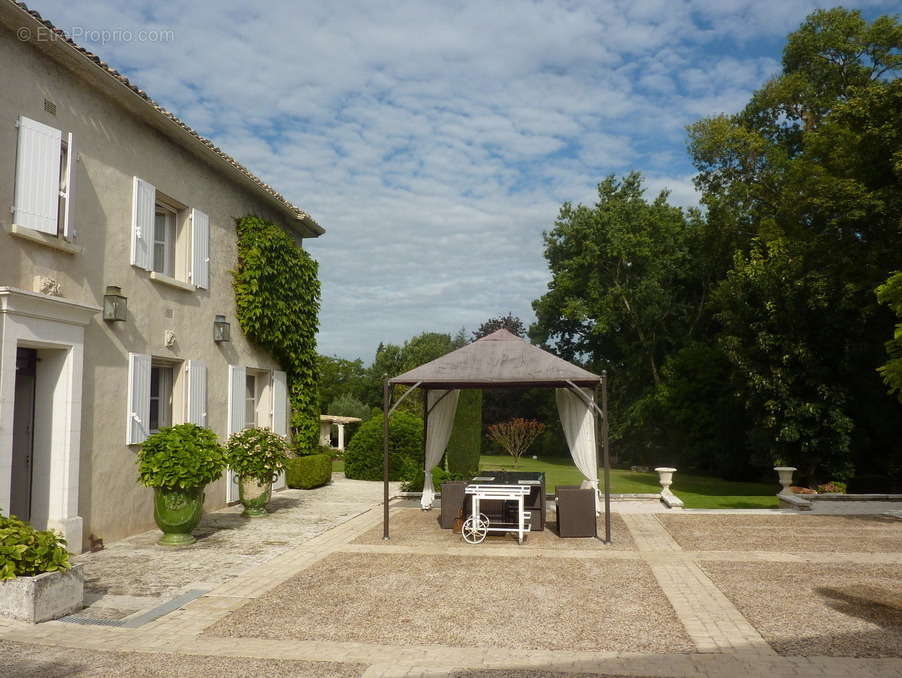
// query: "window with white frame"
[[45, 179], [164, 239], [250, 400], [162, 393], [161, 380], [168, 238]]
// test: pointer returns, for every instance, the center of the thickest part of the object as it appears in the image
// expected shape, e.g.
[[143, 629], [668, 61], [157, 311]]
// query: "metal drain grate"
[[91, 621], [139, 618]]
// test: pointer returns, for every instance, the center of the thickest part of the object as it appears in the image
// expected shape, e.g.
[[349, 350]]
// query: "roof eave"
[[13, 14]]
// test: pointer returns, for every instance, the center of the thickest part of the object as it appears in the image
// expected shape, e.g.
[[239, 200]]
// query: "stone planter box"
[[43, 597]]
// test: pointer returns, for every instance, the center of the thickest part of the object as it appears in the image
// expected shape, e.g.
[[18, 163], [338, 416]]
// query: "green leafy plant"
[[180, 457], [256, 453], [312, 470], [412, 476], [277, 297], [25, 551], [363, 458]]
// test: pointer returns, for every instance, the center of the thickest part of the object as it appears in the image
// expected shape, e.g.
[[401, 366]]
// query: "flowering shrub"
[[833, 487], [257, 453]]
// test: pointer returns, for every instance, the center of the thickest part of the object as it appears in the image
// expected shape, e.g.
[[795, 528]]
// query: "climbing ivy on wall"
[[277, 295]]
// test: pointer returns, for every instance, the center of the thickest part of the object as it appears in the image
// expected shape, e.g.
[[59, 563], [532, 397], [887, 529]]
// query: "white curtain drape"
[[578, 422], [440, 421]]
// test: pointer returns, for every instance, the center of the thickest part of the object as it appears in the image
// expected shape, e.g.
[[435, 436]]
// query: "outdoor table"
[[478, 525]]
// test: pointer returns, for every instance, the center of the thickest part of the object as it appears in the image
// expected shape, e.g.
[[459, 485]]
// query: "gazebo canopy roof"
[[498, 360]]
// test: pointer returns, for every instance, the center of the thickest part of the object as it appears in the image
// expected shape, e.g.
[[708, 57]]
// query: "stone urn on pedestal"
[[785, 475], [665, 477]]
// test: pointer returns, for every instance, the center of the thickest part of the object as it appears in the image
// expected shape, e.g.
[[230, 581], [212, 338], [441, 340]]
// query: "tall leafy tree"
[[626, 288], [806, 180], [508, 322]]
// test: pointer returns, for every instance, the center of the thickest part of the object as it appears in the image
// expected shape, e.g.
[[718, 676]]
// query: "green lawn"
[[695, 491], [338, 466]]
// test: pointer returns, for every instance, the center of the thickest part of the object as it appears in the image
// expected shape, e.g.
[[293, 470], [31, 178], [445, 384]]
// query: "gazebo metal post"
[[425, 392], [386, 402], [607, 457]]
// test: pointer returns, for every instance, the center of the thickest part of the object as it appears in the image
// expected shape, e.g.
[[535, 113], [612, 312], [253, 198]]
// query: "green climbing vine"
[[277, 295]]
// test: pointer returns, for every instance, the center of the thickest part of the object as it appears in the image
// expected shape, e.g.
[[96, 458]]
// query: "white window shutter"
[[138, 398], [38, 176], [280, 402], [237, 386], [197, 392], [144, 198], [69, 212], [236, 420], [200, 249]]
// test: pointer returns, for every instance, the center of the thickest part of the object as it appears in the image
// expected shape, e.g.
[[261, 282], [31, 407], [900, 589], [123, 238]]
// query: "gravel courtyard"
[[786, 533], [312, 590], [817, 609], [537, 603]]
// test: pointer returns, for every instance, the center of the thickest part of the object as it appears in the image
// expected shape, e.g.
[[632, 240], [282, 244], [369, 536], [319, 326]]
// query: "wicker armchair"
[[575, 509]]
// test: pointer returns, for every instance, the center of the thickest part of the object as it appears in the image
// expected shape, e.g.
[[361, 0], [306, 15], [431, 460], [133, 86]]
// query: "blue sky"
[[435, 141]]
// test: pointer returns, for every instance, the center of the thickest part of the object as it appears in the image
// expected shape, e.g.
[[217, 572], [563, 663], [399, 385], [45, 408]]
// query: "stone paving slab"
[[140, 574]]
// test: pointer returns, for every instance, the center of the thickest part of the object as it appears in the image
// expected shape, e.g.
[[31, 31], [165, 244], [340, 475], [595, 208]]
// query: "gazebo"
[[503, 360]]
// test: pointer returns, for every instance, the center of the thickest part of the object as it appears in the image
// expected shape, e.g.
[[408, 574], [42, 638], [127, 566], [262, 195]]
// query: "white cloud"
[[436, 141]]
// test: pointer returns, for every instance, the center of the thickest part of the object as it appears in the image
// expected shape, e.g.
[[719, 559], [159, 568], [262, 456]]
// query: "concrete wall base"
[[46, 596]]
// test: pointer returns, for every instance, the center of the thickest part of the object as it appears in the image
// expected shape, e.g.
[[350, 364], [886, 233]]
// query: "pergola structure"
[[503, 360]]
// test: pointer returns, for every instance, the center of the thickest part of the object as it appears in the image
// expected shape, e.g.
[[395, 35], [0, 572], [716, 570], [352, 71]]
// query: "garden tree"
[[516, 435], [339, 377], [783, 321], [806, 179], [627, 289], [347, 405], [890, 293], [508, 322]]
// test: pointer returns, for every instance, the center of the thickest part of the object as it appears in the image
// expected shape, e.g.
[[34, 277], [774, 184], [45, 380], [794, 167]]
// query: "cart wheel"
[[474, 529]]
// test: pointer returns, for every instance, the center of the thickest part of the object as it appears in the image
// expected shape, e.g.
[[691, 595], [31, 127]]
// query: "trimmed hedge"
[[312, 470], [363, 457], [25, 551], [465, 444]]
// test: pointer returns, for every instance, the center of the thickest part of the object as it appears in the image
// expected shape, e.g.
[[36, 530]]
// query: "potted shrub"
[[256, 456], [178, 462], [37, 581]]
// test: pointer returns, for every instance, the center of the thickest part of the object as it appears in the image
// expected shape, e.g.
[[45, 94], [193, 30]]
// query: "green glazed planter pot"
[[253, 495], [177, 512]]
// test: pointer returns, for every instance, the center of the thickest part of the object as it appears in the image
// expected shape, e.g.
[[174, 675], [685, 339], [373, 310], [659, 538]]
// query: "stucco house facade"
[[100, 188]]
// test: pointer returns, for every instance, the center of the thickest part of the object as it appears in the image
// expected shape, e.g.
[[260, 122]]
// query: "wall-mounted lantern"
[[221, 329], [115, 305]]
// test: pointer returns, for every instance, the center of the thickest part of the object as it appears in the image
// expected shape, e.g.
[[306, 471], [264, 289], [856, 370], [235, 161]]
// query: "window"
[[45, 179], [164, 238], [250, 400], [161, 378], [169, 239]]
